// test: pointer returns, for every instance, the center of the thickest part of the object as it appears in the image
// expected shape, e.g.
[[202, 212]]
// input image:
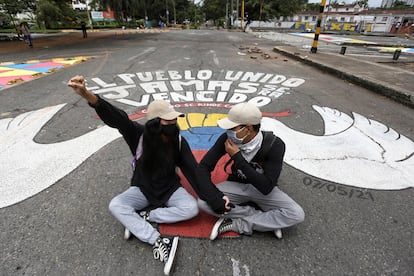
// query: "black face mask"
[[170, 130]]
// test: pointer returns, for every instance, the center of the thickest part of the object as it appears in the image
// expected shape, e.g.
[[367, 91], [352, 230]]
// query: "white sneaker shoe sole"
[[127, 234], [278, 233], [168, 265], [214, 231]]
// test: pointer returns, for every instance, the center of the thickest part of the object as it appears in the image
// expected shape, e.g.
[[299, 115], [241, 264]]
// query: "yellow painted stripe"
[[16, 72]]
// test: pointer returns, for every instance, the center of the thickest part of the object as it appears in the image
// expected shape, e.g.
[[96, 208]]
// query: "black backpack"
[[268, 139]]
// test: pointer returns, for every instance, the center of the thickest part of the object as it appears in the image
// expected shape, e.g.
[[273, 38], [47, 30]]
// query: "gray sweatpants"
[[278, 210], [181, 206]]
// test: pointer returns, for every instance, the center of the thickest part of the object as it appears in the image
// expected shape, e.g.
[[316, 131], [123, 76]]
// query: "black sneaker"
[[164, 250], [221, 226]]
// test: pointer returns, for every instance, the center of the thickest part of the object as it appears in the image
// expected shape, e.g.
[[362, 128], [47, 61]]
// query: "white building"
[[79, 5], [350, 8], [346, 18], [376, 21]]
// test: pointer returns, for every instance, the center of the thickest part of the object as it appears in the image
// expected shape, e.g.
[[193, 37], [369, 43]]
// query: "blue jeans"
[[28, 39], [180, 206], [277, 209]]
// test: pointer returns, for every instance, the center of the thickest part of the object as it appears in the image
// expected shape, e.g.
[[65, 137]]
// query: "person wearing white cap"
[[256, 159], [155, 191]]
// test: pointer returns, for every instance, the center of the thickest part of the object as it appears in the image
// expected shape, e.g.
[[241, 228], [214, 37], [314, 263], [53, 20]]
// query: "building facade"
[[347, 18]]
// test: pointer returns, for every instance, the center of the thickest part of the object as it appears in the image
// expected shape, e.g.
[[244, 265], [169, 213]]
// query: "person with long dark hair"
[[156, 194]]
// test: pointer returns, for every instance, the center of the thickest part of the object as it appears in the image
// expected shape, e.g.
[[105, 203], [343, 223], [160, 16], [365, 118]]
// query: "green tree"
[[285, 8], [138, 9], [12, 7], [126, 10], [400, 5], [214, 10], [48, 14], [312, 7], [363, 3], [53, 14], [255, 9], [184, 10]]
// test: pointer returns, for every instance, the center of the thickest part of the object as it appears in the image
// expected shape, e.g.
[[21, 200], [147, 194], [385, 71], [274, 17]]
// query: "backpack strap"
[[268, 139], [138, 153]]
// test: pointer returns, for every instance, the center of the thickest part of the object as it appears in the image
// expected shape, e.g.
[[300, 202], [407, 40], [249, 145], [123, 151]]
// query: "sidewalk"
[[392, 82]]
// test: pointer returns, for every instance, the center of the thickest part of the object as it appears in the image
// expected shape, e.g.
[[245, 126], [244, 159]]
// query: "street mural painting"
[[200, 86], [353, 150], [393, 49], [27, 167], [344, 40], [337, 39], [11, 73]]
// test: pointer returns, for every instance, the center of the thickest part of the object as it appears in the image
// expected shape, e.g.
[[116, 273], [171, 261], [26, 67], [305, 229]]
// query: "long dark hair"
[[160, 153]]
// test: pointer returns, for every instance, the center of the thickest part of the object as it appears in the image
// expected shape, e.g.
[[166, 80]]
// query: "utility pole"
[[242, 15], [318, 27]]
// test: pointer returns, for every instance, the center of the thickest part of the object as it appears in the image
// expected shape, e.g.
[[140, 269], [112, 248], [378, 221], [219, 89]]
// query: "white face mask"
[[232, 135]]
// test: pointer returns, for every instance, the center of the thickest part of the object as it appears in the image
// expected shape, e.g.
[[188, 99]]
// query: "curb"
[[398, 94]]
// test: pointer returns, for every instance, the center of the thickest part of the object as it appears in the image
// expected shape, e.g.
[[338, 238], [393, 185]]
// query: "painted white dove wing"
[[27, 167], [307, 150], [396, 147], [342, 140], [334, 120], [348, 155], [395, 150]]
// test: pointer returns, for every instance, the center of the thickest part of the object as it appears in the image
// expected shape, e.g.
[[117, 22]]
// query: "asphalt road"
[[349, 162]]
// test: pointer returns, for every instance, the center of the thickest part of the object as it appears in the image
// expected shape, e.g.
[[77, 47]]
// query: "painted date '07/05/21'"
[[339, 189]]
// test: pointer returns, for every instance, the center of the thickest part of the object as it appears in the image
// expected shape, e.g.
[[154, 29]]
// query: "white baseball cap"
[[162, 109], [241, 114]]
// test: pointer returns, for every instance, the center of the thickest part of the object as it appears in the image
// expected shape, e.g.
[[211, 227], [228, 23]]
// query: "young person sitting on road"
[[158, 150], [257, 159]]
